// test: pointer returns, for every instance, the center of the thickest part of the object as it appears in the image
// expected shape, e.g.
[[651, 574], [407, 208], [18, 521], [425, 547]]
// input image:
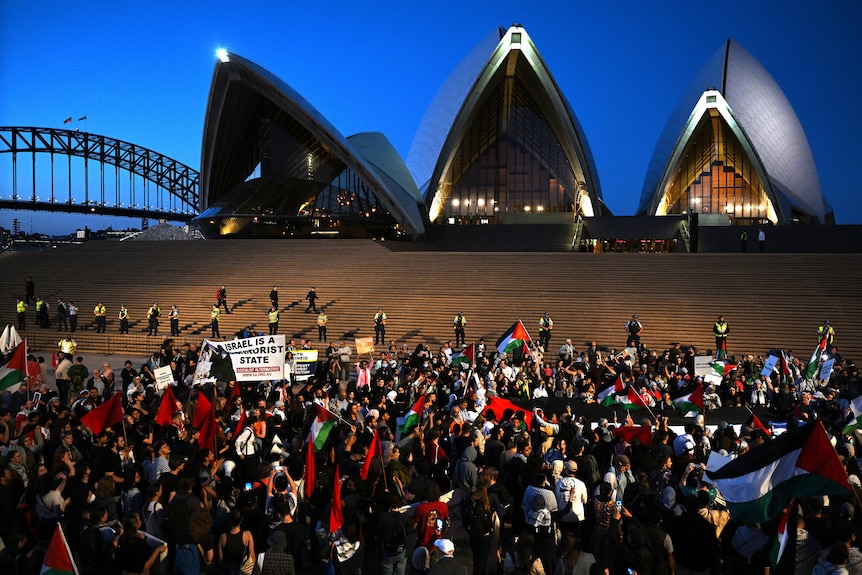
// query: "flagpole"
[[336, 416]]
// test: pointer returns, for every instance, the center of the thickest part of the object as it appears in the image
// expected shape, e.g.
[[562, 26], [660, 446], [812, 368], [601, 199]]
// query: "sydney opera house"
[[500, 145]]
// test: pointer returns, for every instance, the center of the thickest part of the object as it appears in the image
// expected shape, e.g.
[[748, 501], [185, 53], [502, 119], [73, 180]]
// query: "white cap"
[[445, 546]]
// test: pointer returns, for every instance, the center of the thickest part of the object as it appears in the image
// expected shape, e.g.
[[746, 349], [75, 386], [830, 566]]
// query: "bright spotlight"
[[222, 55]]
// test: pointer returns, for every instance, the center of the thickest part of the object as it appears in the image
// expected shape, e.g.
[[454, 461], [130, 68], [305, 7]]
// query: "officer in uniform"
[[153, 315], [827, 332], [123, 316], [273, 320], [174, 317], [99, 311], [215, 314], [21, 310], [380, 326], [458, 323], [73, 317], [720, 330], [321, 326], [634, 329], [546, 324], [311, 296], [62, 315]]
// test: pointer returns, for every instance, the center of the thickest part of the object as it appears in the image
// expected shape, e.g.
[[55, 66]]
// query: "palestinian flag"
[[58, 559], [783, 555], [412, 417], [811, 368], [108, 414], [323, 423], [607, 396], [466, 356], [628, 433], [722, 367], [759, 484], [15, 369], [754, 423], [856, 410], [691, 402], [515, 338], [633, 400]]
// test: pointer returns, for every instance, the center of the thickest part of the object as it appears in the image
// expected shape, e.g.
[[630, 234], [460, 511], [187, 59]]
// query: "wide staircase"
[[769, 300]]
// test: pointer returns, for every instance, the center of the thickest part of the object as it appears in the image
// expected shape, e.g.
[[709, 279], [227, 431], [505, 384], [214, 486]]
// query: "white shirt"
[[564, 490]]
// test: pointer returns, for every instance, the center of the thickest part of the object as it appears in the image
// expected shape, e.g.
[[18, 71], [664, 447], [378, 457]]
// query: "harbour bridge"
[[56, 170]]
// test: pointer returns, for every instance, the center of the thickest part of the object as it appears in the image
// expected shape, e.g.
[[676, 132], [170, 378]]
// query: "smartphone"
[[36, 397], [248, 486], [619, 504], [439, 525]]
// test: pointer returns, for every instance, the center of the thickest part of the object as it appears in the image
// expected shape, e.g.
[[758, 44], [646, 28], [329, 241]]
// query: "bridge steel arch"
[[176, 184]]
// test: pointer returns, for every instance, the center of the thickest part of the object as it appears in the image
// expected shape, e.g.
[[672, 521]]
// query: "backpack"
[[188, 560], [481, 520], [394, 536], [178, 514]]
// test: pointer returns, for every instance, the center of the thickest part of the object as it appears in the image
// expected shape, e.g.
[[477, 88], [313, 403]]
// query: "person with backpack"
[[540, 506], [392, 543]]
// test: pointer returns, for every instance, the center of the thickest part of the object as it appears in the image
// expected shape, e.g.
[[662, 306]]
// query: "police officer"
[[321, 326], [73, 317], [827, 332], [546, 324], [273, 320], [458, 323], [380, 326], [174, 317], [634, 329], [720, 330], [153, 315], [123, 316], [99, 312], [21, 310], [215, 314]]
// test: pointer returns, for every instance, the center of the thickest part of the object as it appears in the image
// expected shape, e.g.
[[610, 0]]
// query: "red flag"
[[205, 421], [631, 432], [240, 425], [165, 415], [202, 410], [500, 405], [108, 414], [336, 517], [373, 451], [234, 393], [310, 471], [53, 360]]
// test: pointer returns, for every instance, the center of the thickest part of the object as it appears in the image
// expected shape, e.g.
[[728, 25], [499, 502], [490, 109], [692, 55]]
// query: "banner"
[[164, 377], [306, 363], [364, 345], [247, 359], [826, 369], [769, 365]]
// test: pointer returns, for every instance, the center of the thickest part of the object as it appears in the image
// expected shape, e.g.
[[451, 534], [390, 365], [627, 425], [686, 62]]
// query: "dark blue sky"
[[140, 71]]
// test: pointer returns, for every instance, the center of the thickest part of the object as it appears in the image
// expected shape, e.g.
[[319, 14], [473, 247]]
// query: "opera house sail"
[[500, 143], [733, 150], [273, 166]]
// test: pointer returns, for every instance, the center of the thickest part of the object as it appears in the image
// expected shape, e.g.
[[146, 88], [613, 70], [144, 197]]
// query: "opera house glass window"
[[509, 159], [716, 176]]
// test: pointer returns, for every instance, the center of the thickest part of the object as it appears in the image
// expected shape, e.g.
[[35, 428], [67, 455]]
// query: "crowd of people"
[[540, 486]]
